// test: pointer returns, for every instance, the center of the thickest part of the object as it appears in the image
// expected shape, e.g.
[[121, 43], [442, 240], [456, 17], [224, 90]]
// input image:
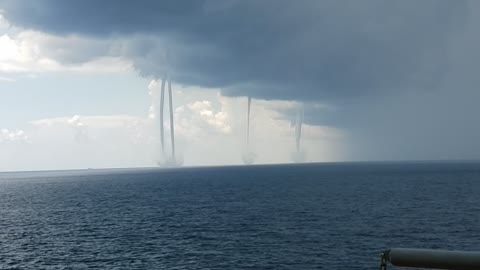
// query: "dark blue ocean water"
[[330, 216]]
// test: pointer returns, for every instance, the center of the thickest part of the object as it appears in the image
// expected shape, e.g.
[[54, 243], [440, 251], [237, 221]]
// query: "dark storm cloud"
[[304, 50], [399, 77]]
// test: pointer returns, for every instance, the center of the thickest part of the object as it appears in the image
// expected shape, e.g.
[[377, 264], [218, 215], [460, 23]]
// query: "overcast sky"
[[378, 80]]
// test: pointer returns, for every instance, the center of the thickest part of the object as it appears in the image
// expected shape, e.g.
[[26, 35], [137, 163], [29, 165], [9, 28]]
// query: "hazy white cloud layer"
[[207, 134], [379, 80]]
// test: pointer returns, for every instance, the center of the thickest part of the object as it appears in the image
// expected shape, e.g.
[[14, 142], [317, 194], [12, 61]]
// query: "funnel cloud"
[[162, 102], [165, 159], [248, 155], [299, 156], [172, 124]]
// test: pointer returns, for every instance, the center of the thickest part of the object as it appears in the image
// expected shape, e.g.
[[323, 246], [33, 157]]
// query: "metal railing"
[[430, 259]]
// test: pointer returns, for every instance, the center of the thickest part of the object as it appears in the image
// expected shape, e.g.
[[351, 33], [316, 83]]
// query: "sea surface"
[[317, 216]]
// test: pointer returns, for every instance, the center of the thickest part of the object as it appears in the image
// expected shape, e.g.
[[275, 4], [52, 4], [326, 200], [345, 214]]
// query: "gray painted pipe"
[[434, 259]]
